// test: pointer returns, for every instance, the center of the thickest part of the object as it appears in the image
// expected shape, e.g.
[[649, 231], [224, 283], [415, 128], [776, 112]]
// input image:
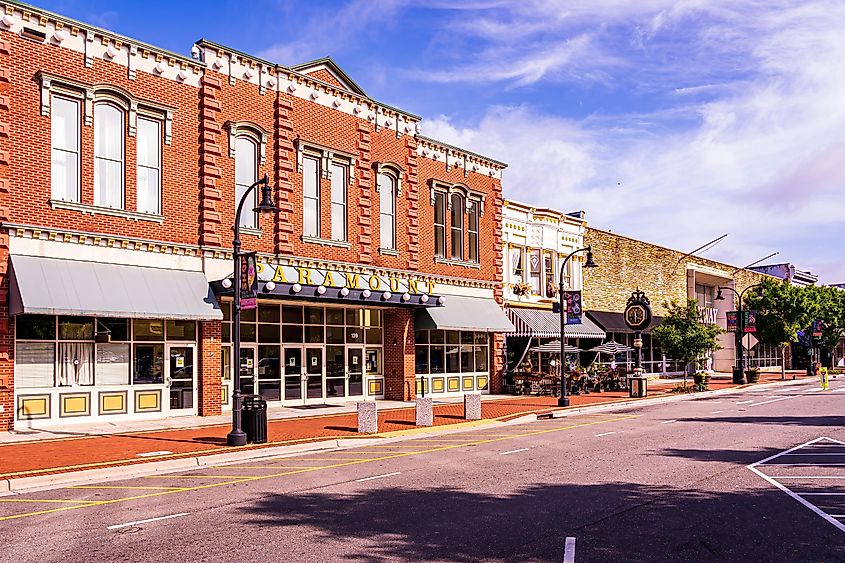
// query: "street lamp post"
[[740, 326], [563, 401], [237, 437]]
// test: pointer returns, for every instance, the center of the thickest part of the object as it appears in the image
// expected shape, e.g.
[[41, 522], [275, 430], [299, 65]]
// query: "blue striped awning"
[[542, 323]]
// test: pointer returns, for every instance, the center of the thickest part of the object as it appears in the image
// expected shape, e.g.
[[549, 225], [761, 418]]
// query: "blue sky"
[[675, 122]]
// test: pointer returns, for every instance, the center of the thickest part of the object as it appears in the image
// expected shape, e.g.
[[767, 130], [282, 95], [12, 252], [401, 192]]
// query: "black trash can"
[[738, 377], [637, 387], [254, 419]]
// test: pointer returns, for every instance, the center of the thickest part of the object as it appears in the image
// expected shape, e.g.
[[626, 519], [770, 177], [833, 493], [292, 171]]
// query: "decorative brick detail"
[[413, 195], [210, 231], [285, 165], [399, 368], [365, 195], [210, 369]]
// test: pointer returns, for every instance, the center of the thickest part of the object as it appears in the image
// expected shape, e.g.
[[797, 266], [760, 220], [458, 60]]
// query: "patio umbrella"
[[554, 348], [611, 348]]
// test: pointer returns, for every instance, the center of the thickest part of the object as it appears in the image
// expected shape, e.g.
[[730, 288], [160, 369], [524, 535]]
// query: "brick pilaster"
[[284, 166], [364, 183], [7, 341], [399, 367], [413, 197], [210, 369], [211, 150]]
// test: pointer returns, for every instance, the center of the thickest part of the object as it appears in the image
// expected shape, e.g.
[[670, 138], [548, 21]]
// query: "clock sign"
[[638, 312]]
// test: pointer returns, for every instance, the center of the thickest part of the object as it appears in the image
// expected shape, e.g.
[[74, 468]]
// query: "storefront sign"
[[392, 282], [749, 321], [249, 281], [574, 311], [708, 315], [732, 320]]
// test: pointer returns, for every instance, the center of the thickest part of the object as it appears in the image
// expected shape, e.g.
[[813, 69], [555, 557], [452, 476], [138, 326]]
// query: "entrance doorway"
[[181, 379]]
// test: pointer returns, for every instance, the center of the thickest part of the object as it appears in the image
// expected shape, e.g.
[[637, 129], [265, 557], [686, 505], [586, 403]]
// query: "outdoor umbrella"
[[611, 348], [554, 348]]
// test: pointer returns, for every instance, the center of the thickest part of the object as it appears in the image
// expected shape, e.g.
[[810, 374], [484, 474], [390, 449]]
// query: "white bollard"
[[472, 406], [367, 417], [425, 411]]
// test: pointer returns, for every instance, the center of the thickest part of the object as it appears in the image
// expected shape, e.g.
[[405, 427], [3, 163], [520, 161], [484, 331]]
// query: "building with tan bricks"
[[121, 165]]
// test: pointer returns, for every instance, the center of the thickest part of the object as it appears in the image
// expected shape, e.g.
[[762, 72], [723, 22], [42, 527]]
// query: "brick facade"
[[203, 98]]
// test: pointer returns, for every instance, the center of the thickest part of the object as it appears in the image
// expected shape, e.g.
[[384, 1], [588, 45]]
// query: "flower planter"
[[752, 375]]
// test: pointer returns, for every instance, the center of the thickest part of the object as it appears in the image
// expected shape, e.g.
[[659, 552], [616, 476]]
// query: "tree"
[[782, 310], [682, 336], [827, 304]]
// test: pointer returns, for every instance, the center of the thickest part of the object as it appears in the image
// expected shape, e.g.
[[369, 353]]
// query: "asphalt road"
[[668, 482]]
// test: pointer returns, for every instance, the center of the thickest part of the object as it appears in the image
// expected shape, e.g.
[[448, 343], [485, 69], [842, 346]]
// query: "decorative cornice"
[[455, 157]]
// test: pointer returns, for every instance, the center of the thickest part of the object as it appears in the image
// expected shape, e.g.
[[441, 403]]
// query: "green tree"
[[782, 310], [827, 304], [682, 336]]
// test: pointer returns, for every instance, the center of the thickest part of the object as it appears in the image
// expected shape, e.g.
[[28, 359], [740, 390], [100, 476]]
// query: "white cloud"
[[760, 156]]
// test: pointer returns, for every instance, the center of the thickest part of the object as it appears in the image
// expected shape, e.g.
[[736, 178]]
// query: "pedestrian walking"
[[821, 372]]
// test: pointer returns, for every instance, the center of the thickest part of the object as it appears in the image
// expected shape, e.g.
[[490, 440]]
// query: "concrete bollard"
[[425, 411], [472, 406], [367, 417]]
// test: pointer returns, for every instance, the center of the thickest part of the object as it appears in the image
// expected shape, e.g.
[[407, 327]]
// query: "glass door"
[[335, 372], [248, 369], [181, 379], [355, 371], [314, 374], [294, 374], [226, 375]]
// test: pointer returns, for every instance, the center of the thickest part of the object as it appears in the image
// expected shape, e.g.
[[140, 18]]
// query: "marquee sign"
[[330, 278]]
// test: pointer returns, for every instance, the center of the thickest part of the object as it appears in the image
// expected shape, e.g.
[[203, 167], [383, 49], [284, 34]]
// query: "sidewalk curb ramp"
[[56, 480]]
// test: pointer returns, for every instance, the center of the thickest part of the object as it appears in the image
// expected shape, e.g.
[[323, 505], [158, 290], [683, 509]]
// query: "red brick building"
[[121, 165]]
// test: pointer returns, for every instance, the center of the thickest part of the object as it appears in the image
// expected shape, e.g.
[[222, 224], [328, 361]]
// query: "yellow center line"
[[262, 466], [324, 458], [127, 487], [47, 500], [193, 477], [393, 455]]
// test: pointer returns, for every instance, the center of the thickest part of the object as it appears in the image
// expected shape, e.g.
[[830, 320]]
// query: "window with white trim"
[[440, 224], [472, 231], [149, 166], [310, 196], [387, 211], [457, 234], [108, 155], [339, 203], [246, 170], [65, 133]]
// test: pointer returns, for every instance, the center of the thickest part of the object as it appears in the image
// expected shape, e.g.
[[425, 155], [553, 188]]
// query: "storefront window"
[[182, 330], [149, 364], [112, 364], [463, 352], [76, 328], [148, 330], [117, 329], [35, 327], [373, 361], [35, 363]]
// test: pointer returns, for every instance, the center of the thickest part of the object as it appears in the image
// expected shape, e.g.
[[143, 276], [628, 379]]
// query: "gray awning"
[[542, 323], [50, 286], [464, 313]]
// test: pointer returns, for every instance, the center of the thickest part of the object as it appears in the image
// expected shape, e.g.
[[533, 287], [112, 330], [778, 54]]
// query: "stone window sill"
[[460, 263], [251, 231], [388, 252], [326, 242], [99, 210]]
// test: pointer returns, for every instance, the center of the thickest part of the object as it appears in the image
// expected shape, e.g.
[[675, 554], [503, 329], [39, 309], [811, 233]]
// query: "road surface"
[[708, 479]]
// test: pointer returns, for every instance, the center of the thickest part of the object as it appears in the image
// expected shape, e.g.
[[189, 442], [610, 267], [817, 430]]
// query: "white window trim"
[[138, 166], [449, 189], [249, 229], [248, 129], [326, 155], [122, 136], [91, 93], [345, 202], [390, 168], [78, 151]]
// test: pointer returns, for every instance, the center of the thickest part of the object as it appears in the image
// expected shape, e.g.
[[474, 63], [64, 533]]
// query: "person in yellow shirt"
[[823, 376]]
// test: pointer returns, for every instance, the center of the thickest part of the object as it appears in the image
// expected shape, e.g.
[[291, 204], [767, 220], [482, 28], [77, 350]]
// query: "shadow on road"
[[612, 522]]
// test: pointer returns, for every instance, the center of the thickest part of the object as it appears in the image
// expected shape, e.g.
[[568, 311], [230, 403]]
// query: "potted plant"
[[752, 375], [521, 289]]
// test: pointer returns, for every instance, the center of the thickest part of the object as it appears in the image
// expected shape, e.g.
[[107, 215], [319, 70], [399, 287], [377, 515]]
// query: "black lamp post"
[[237, 437], [740, 326], [563, 401]]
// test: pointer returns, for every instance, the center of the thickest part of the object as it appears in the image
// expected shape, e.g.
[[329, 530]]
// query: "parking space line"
[[147, 521], [769, 401], [605, 434], [514, 451], [716, 412], [669, 421], [262, 467], [569, 550], [305, 469], [378, 476]]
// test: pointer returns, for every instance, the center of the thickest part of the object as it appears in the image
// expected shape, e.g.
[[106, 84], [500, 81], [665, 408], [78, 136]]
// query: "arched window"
[[246, 171], [108, 155], [458, 211], [387, 211]]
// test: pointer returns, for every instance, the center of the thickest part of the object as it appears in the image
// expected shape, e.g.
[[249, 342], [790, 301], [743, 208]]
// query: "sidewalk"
[[81, 447]]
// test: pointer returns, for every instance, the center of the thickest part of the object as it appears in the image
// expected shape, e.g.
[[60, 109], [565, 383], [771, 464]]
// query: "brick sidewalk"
[[86, 452]]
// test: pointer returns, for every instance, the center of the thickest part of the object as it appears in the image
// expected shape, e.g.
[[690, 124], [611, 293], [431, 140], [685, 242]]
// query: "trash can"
[[738, 377], [637, 387], [254, 419]]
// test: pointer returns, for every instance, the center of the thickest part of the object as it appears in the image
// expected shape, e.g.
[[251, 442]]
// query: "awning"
[[553, 347], [51, 286], [615, 322], [542, 323], [464, 313]]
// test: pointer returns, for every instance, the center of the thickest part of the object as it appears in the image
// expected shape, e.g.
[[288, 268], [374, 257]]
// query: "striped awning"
[[542, 323]]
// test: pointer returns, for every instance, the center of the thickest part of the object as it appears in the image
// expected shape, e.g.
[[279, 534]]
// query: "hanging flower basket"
[[521, 289]]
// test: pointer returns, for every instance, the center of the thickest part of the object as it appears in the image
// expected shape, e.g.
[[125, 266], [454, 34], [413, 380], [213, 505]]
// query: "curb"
[[52, 481]]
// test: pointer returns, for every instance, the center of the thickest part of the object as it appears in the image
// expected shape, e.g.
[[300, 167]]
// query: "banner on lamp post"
[[574, 311], [249, 281], [732, 318], [749, 321]]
